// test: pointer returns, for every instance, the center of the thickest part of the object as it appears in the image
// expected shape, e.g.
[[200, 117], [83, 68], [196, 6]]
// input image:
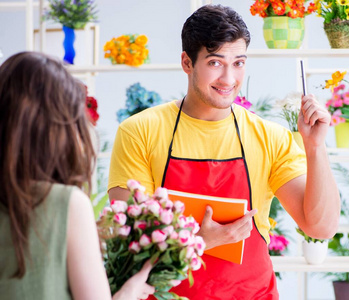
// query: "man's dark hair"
[[211, 26]]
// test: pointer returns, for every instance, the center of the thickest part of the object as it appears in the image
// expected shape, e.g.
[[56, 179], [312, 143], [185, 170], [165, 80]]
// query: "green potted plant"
[[314, 250], [336, 23]]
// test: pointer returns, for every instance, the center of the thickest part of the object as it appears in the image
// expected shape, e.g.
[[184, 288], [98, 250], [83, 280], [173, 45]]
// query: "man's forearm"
[[321, 198]]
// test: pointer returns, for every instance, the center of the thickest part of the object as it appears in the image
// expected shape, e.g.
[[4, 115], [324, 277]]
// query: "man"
[[206, 145]]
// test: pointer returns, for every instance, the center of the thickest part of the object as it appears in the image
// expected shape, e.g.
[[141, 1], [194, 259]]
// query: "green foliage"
[[332, 11], [71, 13], [307, 238]]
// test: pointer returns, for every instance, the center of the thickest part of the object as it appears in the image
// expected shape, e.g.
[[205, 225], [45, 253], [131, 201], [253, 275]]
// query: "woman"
[[48, 238]]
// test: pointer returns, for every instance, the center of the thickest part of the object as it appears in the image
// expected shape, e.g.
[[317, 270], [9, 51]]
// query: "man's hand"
[[136, 287], [215, 234], [313, 121]]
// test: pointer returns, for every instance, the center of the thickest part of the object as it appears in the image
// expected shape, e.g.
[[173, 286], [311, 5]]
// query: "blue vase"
[[68, 44]]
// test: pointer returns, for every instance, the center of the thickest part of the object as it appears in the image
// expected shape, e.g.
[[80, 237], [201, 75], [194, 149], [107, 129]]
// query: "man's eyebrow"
[[222, 56]]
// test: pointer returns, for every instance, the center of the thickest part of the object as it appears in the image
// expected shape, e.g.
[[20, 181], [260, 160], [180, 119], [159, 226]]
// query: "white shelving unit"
[[280, 264]]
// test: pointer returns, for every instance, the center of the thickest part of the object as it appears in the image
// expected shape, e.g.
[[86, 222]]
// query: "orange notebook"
[[225, 210]]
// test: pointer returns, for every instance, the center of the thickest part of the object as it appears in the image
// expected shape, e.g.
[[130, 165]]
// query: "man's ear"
[[186, 63]]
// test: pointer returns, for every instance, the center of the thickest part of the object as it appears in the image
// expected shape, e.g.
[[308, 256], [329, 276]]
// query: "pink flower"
[[174, 235], [182, 221], [178, 207], [162, 246], [140, 197], [166, 216], [242, 102], [134, 247], [158, 236], [166, 203], [134, 211], [124, 231], [118, 206], [191, 223], [277, 243], [120, 218], [144, 240], [200, 245], [161, 193], [338, 88], [153, 207], [105, 211], [168, 230], [335, 120], [133, 185], [175, 282], [140, 224], [195, 263], [185, 237], [190, 252]]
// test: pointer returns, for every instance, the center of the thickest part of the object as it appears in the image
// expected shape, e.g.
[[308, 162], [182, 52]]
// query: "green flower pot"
[[283, 32], [342, 135]]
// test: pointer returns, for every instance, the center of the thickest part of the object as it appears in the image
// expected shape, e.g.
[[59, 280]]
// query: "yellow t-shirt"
[[142, 141]]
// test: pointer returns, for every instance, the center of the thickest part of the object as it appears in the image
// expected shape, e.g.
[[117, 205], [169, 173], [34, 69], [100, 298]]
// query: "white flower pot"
[[315, 253]]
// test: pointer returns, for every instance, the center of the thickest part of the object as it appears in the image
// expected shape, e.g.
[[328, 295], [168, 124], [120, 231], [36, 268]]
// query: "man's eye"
[[214, 63], [240, 63]]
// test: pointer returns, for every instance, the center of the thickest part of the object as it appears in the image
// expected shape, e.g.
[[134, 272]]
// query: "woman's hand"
[[136, 287]]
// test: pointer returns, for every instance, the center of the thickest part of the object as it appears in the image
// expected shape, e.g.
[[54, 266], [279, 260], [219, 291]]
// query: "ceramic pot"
[[342, 135], [68, 44], [283, 32], [314, 253], [341, 290]]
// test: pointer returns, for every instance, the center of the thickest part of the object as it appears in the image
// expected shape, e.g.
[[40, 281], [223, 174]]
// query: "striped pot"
[[283, 32]]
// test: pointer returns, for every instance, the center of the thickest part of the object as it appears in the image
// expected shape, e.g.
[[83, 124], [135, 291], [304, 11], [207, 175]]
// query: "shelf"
[[298, 264], [16, 5], [123, 68], [297, 53]]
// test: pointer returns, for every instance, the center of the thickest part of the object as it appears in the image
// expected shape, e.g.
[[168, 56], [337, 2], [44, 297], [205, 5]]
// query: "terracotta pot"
[[341, 290]]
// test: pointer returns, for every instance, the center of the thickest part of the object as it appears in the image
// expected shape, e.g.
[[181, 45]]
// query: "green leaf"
[[154, 258], [190, 278], [97, 208], [141, 256]]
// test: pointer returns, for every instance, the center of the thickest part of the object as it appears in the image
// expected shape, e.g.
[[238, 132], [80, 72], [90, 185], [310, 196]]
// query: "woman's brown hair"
[[44, 136]]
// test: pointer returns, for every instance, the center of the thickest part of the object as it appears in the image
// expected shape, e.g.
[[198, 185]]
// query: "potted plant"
[[283, 21], [314, 250], [336, 24], [339, 246], [338, 106], [72, 14]]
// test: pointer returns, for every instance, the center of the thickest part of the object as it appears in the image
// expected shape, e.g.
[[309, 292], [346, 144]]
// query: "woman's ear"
[[186, 63]]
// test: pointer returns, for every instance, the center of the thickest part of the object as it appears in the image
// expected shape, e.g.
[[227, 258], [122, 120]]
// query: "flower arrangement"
[[71, 13], [91, 109], [242, 101], [150, 227], [290, 107], [338, 105], [332, 10], [290, 8], [138, 99], [130, 49]]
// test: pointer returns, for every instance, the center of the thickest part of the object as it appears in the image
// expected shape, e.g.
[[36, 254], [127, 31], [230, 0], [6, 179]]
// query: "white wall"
[[162, 21]]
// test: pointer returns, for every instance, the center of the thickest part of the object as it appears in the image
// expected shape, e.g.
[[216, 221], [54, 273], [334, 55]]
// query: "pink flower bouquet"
[[278, 244], [150, 227]]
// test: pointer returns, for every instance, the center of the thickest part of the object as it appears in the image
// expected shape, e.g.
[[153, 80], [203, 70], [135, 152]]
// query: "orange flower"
[[279, 8], [337, 77]]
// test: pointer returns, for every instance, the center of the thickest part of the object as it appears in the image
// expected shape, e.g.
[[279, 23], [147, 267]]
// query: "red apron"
[[223, 280]]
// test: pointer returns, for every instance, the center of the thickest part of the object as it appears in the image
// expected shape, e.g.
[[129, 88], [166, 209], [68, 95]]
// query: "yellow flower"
[[337, 77], [272, 223], [141, 40], [342, 2], [347, 13]]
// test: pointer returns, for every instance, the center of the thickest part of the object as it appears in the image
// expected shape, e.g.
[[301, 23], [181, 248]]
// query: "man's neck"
[[203, 112]]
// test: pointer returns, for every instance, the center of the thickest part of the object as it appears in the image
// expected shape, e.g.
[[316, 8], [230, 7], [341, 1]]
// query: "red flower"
[[91, 109], [279, 8]]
